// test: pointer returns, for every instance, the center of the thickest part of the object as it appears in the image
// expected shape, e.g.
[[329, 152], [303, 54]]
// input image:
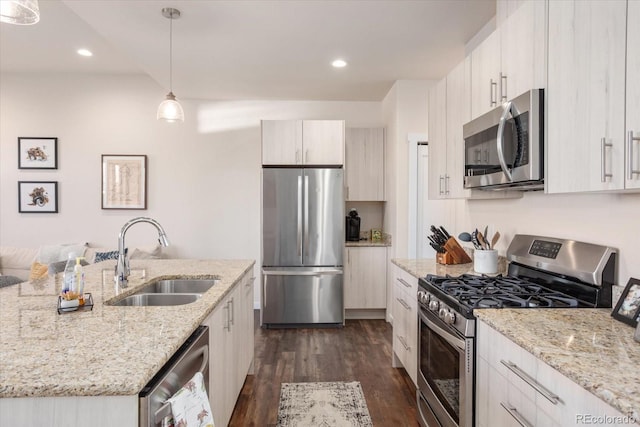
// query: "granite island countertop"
[[109, 350], [587, 345]]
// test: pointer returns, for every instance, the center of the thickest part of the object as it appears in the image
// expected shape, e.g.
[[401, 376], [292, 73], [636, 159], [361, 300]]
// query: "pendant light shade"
[[170, 109], [20, 12]]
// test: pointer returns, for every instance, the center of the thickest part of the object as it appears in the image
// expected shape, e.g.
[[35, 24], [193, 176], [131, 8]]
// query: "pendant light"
[[170, 109], [20, 12]]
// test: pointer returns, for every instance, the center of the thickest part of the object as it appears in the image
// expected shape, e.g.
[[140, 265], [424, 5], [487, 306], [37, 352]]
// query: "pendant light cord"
[[171, 53]]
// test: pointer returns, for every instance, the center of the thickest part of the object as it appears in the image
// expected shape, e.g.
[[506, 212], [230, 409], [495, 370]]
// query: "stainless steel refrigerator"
[[302, 244]]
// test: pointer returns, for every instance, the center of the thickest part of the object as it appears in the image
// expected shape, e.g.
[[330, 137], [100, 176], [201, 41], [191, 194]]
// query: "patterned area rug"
[[334, 404]]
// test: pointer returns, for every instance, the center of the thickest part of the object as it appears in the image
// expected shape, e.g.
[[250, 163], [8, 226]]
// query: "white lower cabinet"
[[230, 352], [514, 388], [405, 322], [365, 277]]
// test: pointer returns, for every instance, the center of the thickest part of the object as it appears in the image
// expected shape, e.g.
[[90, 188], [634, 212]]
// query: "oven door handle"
[[454, 341], [500, 139]]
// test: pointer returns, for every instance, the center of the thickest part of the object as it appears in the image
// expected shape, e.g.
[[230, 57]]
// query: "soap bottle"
[[78, 274], [68, 278]]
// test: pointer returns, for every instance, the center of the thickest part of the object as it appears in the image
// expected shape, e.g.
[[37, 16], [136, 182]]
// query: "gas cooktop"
[[498, 292]]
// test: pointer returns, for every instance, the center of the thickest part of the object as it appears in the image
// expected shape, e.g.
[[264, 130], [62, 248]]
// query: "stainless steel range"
[[543, 272]]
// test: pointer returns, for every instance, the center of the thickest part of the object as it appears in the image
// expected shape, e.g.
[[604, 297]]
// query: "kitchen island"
[[51, 362]]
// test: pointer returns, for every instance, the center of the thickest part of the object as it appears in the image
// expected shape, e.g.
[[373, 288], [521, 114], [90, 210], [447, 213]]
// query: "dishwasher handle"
[[165, 410]]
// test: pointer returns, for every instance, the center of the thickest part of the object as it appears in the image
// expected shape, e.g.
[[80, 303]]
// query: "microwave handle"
[[500, 139]]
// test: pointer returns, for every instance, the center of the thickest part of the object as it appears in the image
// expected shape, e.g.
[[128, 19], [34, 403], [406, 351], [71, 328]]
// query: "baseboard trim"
[[365, 313]]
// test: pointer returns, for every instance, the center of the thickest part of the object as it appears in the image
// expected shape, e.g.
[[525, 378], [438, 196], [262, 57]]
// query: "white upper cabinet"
[[437, 140], [585, 98], [511, 60], [302, 142], [323, 142], [364, 164], [632, 164], [485, 75]]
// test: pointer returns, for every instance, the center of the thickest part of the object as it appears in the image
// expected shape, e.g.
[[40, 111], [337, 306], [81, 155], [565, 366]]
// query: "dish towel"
[[190, 405]]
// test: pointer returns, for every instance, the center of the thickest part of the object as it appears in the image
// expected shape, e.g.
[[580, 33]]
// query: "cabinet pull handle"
[[630, 140], [231, 314], [404, 282], [404, 343], [348, 256], [347, 192], [478, 156], [550, 396], [403, 303], [604, 145], [250, 282], [227, 324], [306, 156], [446, 184], [516, 415], [441, 191], [503, 87], [297, 156], [493, 93]]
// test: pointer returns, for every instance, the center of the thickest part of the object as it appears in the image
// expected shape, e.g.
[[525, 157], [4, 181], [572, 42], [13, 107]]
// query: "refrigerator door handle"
[[306, 214], [324, 272], [299, 243]]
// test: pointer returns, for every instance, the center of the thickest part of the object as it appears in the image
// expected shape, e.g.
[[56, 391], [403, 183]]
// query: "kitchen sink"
[[178, 286], [141, 299]]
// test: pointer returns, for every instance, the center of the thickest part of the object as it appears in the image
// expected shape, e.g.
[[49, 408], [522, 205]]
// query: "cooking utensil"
[[464, 236], [474, 239], [483, 242], [495, 239]]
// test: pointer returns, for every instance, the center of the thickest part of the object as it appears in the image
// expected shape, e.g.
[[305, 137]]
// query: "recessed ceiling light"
[[84, 52], [339, 63]]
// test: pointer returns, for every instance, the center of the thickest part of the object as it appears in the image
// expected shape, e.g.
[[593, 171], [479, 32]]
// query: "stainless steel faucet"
[[122, 267]]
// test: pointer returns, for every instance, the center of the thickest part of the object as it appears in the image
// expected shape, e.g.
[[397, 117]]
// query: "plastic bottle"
[[68, 279], [78, 276]]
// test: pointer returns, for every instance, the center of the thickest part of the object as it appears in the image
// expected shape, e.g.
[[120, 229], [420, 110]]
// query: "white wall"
[[606, 219], [203, 175]]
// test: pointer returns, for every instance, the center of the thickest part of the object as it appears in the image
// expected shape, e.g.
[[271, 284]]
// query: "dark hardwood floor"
[[361, 351]]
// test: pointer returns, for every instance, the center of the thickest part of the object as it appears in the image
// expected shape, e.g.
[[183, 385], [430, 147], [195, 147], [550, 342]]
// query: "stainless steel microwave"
[[504, 148]]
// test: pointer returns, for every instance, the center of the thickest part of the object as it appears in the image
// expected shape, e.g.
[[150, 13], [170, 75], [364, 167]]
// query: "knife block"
[[454, 254]]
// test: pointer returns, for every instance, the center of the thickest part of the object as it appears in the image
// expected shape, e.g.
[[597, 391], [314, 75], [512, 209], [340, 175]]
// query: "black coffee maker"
[[353, 226]]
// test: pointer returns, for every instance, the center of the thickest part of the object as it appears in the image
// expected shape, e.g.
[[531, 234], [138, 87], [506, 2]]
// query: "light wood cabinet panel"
[[523, 50], [302, 142], [323, 142], [586, 88], [364, 164], [632, 162], [437, 139], [485, 75], [230, 349], [458, 113], [405, 321], [365, 273], [497, 385], [282, 142]]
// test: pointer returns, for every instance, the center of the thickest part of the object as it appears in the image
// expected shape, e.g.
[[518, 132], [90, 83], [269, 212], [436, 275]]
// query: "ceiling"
[[252, 49]]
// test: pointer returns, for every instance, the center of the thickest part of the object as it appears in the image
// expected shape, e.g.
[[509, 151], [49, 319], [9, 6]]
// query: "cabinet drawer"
[[405, 280]]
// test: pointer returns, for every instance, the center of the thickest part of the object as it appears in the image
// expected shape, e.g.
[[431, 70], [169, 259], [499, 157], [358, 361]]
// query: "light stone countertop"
[[109, 350], [587, 345], [421, 267], [368, 243]]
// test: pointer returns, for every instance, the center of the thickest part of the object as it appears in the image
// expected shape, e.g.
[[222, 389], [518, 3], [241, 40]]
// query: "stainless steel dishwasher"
[[191, 357]]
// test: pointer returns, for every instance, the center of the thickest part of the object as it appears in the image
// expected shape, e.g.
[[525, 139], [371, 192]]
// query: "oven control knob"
[[434, 305], [423, 297], [450, 317], [442, 313]]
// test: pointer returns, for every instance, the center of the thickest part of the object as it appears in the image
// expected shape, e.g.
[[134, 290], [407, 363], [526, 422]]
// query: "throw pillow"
[[9, 280], [38, 271], [103, 256], [58, 267], [54, 253]]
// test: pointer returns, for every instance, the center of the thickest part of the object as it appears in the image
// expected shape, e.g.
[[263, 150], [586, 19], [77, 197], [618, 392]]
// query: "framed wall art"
[[38, 196], [124, 181], [37, 153], [627, 309]]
